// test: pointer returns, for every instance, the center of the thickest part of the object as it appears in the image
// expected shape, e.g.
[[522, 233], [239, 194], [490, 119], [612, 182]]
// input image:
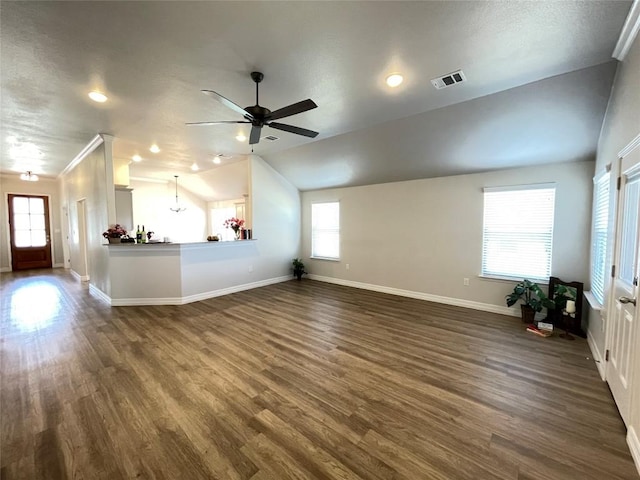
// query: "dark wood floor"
[[299, 380]]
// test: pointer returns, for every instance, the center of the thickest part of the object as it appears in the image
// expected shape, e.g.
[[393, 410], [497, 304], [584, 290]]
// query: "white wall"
[[89, 180], [275, 219], [45, 186], [621, 125], [151, 208], [425, 236]]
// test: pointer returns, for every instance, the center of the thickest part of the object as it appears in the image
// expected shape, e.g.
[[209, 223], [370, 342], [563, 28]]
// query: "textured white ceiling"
[[153, 58]]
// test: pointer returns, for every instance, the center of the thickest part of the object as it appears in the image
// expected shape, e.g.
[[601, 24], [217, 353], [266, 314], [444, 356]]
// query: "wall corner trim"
[[457, 302], [96, 292], [90, 147], [634, 446], [628, 33], [595, 353]]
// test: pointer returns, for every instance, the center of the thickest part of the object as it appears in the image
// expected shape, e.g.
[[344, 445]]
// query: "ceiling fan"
[[259, 116]]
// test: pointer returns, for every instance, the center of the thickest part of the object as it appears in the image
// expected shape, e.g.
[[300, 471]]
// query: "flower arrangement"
[[234, 224], [114, 231]]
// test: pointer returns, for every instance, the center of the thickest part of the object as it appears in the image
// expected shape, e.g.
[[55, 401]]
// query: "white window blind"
[[599, 237], [325, 230], [518, 231]]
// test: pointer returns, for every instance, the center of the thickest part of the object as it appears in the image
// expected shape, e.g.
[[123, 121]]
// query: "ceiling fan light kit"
[[259, 116], [29, 177]]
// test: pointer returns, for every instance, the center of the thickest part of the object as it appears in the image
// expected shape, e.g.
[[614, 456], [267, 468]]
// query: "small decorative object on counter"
[[138, 235], [234, 224], [144, 236], [114, 233], [213, 238], [149, 235]]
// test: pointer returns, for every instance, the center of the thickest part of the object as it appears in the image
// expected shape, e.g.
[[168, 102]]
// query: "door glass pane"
[[38, 238], [21, 221], [36, 205], [22, 238], [37, 222], [20, 205], [630, 230]]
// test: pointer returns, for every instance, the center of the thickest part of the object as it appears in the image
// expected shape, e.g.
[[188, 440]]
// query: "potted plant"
[[533, 298], [298, 268], [114, 233]]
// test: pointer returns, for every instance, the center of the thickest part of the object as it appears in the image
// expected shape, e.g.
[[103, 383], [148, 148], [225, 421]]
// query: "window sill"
[[329, 259], [499, 278], [593, 301]]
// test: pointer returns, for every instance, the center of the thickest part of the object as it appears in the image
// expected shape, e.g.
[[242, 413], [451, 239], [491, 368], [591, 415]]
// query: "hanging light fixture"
[[177, 208], [29, 177]]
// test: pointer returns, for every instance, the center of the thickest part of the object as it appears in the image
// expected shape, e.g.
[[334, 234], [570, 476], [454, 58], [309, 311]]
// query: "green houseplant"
[[533, 299], [298, 268]]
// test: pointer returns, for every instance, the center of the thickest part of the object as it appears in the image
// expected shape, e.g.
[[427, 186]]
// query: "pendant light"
[[177, 208]]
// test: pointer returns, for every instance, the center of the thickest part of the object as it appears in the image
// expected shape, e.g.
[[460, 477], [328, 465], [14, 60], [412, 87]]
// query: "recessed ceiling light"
[[97, 97], [194, 167], [154, 148], [240, 137], [216, 159], [136, 158], [394, 80]]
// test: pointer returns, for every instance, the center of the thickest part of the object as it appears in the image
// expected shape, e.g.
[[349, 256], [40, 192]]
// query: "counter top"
[[186, 244]]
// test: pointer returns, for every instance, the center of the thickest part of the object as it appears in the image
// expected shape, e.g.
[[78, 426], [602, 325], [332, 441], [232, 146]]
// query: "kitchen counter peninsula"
[[160, 273]]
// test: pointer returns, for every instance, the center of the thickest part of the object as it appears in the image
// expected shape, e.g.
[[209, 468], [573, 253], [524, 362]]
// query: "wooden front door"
[[624, 309], [29, 227]]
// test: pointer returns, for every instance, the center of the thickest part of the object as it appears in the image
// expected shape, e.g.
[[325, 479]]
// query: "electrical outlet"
[[465, 281], [347, 266]]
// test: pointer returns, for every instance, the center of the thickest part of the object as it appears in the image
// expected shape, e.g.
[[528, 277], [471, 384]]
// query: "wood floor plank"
[[297, 380]]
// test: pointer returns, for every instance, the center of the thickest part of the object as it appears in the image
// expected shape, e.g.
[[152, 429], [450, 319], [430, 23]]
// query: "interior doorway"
[[29, 229], [623, 309]]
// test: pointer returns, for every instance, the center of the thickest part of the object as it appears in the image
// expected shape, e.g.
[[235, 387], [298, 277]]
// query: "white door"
[[624, 311]]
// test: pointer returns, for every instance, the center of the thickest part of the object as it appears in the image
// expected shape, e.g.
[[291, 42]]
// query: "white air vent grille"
[[271, 138], [449, 79]]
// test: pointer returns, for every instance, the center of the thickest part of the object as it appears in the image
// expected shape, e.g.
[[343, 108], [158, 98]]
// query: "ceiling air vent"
[[449, 79], [271, 138]]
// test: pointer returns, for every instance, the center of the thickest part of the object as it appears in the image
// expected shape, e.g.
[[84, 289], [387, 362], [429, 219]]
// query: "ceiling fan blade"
[[217, 123], [228, 103], [255, 135], [293, 109], [292, 129]]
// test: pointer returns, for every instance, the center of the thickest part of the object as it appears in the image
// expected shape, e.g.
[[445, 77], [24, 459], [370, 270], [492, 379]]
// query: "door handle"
[[627, 300]]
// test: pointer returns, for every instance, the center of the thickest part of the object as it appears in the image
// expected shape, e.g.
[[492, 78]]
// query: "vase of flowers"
[[114, 233], [234, 224]]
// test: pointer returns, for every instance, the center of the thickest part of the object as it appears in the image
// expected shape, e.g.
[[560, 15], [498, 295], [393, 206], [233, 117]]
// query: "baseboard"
[[595, 353], [129, 302], [634, 446], [5, 269], [77, 276], [458, 302], [58, 265], [100, 294]]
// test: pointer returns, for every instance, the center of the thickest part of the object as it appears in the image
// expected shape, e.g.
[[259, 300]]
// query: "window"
[[518, 231], [325, 230], [29, 228], [599, 236]]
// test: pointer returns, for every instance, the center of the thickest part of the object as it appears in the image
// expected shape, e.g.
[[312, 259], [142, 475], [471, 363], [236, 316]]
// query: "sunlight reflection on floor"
[[35, 306]]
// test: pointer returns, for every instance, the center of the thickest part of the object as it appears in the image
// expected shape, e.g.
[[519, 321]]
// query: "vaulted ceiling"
[[538, 79]]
